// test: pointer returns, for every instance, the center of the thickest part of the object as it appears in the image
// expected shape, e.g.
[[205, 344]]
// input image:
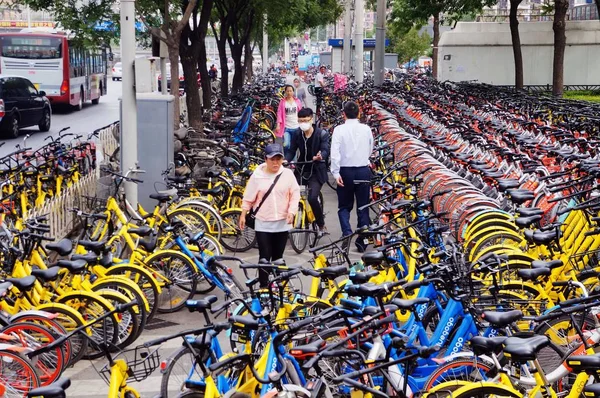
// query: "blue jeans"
[[287, 139], [348, 192]]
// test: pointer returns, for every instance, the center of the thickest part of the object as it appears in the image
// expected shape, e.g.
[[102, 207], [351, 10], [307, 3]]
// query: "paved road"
[[90, 118], [85, 380]]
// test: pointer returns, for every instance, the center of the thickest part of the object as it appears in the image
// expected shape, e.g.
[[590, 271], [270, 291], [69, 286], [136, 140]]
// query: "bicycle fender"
[[114, 269], [21, 314], [49, 306], [128, 282], [93, 296], [509, 390]]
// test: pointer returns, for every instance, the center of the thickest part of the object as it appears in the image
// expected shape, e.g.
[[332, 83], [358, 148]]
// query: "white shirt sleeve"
[[335, 153]]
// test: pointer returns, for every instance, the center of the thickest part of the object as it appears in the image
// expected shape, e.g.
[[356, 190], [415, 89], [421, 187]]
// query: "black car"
[[22, 105]]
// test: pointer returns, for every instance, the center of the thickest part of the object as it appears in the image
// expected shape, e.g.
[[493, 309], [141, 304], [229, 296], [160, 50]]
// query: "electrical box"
[[390, 61], [155, 143], [145, 74]]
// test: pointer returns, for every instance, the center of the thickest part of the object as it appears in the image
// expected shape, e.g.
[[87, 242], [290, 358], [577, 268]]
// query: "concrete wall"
[[483, 52]]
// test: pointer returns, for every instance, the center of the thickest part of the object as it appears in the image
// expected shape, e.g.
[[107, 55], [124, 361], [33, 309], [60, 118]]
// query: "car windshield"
[[31, 47]]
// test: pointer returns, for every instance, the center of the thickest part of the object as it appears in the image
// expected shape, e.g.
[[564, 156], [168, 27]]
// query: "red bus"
[[69, 74]]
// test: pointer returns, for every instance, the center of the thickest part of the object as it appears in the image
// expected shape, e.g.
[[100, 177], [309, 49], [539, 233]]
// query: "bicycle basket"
[[141, 363], [337, 254], [105, 188], [585, 260]]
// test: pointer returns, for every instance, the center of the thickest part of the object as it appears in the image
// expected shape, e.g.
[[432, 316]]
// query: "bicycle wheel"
[[16, 374], [193, 221], [51, 324], [478, 391], [181, 367], [79, 343], [232, 238], [460, 369], [211, 216], [131, 321], [226, 277], [92, 307], [49, 365], [178, 274], [144, 279], [299, 239]]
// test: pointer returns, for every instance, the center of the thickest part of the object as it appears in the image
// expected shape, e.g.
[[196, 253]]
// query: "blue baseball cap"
[[273, 150]]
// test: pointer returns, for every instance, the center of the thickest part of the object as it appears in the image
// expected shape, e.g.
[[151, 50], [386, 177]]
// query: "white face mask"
[[305, 126]]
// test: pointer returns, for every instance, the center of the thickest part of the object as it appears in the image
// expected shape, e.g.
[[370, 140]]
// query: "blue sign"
[[367, 43], [105, 26]]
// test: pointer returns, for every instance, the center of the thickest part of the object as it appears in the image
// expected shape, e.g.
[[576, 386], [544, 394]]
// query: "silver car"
[[117, 71]]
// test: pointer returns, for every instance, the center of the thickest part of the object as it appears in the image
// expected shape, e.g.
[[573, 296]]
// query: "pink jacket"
[[282, 201], [281, 116]]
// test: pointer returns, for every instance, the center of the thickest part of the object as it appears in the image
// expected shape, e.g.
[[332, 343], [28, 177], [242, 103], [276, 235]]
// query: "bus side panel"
[[75, 85]]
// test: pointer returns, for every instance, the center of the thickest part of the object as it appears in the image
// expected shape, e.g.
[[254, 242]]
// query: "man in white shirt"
[[351, 147], [320, 86]]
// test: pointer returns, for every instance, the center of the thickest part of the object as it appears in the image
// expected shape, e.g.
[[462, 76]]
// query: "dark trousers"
[[314, 187], [348, 192], [271, 246], [318, 97]]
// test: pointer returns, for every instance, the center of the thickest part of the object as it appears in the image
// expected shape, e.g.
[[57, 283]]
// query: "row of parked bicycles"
[[482, 281]]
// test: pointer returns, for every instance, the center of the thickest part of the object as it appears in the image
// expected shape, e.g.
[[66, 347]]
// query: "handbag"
[[251, 215]]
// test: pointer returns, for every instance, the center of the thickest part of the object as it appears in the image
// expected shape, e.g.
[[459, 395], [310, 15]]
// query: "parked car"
[[181, 79], [117, 71], [22, 105]]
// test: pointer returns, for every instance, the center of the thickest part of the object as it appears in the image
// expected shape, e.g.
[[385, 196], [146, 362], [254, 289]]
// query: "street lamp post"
[[380, 43], [128, 100], [359, 55]]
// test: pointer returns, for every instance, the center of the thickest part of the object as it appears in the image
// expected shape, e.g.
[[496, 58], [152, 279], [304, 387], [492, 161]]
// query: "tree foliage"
[[411, 45]]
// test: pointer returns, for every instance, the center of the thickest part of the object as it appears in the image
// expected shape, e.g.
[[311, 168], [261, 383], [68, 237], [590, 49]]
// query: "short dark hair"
[[286, 87], [351, 110], [305, 112]]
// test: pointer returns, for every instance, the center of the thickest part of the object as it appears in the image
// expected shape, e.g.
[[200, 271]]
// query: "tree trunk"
[[204, 78], [436, 40], [221, 46], [248, 59], [189, 62], [516, 43], [174, 60], [598, 7], [560, 41], [237, 50]]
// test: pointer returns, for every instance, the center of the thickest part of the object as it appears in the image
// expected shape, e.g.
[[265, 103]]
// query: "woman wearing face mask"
[[313, 145], [287, 116], [300, 92]]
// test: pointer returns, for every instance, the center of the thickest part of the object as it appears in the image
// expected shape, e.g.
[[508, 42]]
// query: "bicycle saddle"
[[177, 179], [54, 390], [373, 258], [524, 349], [520, 196], [487, 345], [305, 350], [199, 305], [368, 290], [502, 319], [161, 197], [539, 237], [144, 230], [507, 183], [90, 258], [547, 264], [94, 246], [213, 173], [533, 273], [363, 277], [63, 247], [408, 304], [332, 272], [524, 222], [592, 390], [213, 191], [23, 284], [374, 309], [75, 267], [529, 211], [245, 321], [228, 162], [46, 275]]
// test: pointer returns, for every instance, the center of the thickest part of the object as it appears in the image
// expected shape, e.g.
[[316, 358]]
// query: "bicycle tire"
[[476, 391], [299, 240], [459, 369], [182, 364], [79, 342], [26, 372], [94, 307], [193, 221], [232, 238], [50, 365], [210, 214], [181, 285], [144, 279], [131, 323]]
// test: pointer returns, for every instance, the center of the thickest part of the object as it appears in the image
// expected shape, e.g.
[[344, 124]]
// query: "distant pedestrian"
[[287, 116], [300, 92], [212, 72], [276, 214], [320, 85], [351, 147]]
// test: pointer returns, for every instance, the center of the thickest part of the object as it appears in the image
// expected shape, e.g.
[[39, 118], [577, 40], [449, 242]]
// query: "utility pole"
[[286, 50], [359, 20], [128, 101], [29, 17], [347, 52], [265, 51], [380, 43]]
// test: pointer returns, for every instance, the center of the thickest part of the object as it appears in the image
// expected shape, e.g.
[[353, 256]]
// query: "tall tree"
[[560, 42], [410, 45], [516, 43]]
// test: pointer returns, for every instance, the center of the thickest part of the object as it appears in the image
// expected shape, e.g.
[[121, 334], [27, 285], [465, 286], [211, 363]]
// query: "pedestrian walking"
[[300, 92], [320, 85], [287, 116], [313, 146], [273, 194], [351, 147]]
